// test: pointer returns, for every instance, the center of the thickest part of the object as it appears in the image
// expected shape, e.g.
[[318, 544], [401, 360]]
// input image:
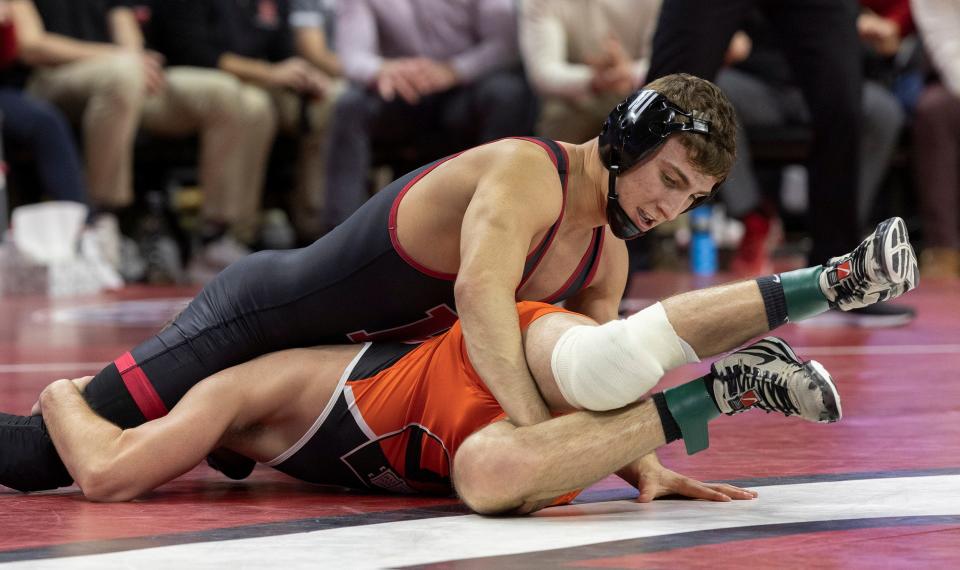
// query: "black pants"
[[38, 126], [821, 44]]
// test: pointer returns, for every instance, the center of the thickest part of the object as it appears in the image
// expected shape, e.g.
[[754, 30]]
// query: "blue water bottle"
[[703, 250]]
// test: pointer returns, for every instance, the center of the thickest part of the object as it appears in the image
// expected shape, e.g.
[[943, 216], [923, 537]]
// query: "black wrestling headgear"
[[635, 128]]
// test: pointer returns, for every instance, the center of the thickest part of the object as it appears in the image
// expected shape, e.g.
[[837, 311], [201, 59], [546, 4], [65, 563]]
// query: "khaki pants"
[[236, 124], [310, 125], [105, 96], [574, 122]]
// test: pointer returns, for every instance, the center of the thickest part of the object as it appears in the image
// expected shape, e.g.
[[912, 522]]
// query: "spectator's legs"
[[882, 120], [758, 104], [936, 143], [349, 153], [106, 93], [573, 122], [692, 36], [360, 118], [497, 105], [236, 124], [256, 107], [310, 121], [39, 127], [822, 45]]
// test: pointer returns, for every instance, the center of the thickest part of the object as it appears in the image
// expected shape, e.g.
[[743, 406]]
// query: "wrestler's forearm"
[[504, 468], [84, 440], [577, 450], [491, 330], [110, 464]]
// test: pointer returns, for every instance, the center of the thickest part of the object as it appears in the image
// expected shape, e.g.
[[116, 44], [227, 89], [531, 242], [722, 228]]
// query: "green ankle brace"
[[802, 291], [692, 407]]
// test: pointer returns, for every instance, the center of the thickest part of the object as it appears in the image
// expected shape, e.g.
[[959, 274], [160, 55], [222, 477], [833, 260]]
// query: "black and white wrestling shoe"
[[882, 267], [768, 375]]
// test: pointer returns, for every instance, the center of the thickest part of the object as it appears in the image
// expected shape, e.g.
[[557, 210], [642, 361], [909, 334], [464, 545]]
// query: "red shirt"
[[896, 10], [8, 45]]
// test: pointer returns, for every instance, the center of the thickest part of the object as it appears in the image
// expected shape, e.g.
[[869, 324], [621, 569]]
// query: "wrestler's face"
[[662, 187]]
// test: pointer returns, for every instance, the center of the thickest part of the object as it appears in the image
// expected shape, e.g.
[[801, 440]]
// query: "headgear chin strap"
[[620, 223], [635, 128]]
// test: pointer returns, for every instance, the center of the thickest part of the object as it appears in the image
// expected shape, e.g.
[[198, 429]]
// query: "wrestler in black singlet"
[[353, 285]]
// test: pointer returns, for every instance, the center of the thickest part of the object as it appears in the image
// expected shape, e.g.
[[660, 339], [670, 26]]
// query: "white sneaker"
[[768, 375], [91, 251], [882, 267], [215, 257], [107, 230]]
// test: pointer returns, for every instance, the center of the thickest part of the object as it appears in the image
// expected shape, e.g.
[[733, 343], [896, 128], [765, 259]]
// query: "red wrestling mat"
[[901, 407]]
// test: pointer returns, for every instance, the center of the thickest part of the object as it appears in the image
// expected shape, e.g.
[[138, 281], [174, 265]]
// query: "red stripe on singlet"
[[547, 240], [139, 386], [596, 263]]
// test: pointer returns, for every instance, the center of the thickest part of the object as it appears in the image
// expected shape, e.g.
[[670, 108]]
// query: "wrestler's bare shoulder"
[[516, 167], [509, 154]]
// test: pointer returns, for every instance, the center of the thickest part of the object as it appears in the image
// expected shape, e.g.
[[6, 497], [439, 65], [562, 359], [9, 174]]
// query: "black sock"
[[28, 459], [774, 300], [671, 429]]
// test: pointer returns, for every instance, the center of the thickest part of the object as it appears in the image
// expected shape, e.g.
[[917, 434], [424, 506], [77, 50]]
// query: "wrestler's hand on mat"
[[80, 383], [653, 480]]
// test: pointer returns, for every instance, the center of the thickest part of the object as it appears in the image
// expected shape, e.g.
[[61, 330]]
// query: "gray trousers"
[[761, 104], [936, 144]]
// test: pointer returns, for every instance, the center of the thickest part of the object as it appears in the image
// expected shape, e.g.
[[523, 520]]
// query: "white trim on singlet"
[[323, 415], [357, 416]]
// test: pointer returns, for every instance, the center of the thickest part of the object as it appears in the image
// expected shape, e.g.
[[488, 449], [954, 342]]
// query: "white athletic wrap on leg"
[[610, 366]]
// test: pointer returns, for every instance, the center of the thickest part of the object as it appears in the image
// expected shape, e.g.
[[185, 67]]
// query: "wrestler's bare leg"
[[259, 408]]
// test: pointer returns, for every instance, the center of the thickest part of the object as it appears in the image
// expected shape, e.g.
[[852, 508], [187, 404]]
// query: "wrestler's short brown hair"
[[715, 154]]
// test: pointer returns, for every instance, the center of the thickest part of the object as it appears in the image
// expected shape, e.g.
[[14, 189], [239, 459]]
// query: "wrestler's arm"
[[601, 302], [112, 464], [517, 198], [571, 452], [503, 468]]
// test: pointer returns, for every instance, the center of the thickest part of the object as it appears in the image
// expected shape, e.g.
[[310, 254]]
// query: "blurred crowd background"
[[197, 131]]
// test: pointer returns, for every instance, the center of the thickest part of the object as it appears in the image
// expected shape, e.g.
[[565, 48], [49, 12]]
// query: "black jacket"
[[198, 32], [79, 19]]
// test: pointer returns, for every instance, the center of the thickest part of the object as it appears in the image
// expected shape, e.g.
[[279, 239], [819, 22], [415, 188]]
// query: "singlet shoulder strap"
[[585, 272], [559, 156]]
